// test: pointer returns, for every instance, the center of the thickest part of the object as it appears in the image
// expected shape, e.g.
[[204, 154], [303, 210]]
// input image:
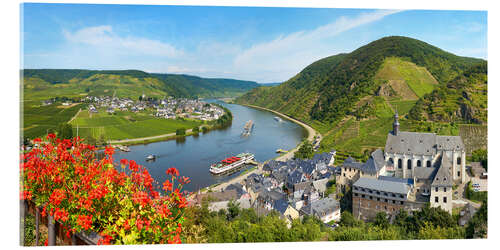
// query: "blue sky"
[[249, 43]]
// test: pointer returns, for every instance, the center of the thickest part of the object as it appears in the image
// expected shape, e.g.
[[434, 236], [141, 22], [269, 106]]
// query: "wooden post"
[[52, 231], [73, 240], [37, 227], [22, 206]]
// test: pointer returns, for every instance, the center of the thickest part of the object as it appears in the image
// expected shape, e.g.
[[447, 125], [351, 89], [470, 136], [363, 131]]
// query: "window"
[[401, 202], [408, 164], [400, 163], [378, 199], [371, 197], [444, 199], [344, 174], [386, 194], [355, 194], [393, 195], [386, 200], [437, 189], [370, 191], [428, 164], [459, 160], [362, 196], [436, 199], [378, 192], [444, 189], [458, 173], [385, 207], [401, 196], [355, 188], [419, 163]]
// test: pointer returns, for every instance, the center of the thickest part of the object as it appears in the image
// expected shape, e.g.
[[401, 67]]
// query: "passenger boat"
[[231, 163]]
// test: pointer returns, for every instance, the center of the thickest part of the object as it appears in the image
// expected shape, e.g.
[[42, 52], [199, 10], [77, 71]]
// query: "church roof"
[[443, 176], [449, 143], [411, 143]]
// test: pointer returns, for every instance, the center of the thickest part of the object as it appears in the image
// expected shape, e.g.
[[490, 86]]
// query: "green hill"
[[463, 99], [47, 83], [351, 98]]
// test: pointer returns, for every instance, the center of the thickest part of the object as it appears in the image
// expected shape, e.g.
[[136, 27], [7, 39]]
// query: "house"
[[287, 212], [326, 209], [370, 196]]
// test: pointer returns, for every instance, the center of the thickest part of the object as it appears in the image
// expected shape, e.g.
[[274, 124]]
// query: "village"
[[167, 107], [413, 171]]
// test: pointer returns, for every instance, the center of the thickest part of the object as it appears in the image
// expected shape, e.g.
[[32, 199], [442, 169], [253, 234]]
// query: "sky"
[[260, 44]]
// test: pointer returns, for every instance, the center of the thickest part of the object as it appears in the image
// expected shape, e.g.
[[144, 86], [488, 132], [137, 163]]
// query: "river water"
[[193, 155]]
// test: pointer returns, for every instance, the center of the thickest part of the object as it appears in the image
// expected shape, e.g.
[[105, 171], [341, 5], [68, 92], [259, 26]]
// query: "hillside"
[[335, 87], [351, 98], [47, 83], [463, 99]]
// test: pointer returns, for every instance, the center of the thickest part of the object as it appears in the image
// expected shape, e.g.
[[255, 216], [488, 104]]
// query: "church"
[[414, 169]]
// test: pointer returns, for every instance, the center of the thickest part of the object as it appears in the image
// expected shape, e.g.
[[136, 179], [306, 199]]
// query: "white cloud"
[[103, 37], [290, 53]]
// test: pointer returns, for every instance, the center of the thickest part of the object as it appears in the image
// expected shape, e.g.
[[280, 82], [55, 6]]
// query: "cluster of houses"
[[168, 107], [293, 188], [413, 170]]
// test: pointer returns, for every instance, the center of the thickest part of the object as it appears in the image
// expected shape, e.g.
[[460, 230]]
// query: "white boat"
[[278, 119], [231, 163], [150, 157]]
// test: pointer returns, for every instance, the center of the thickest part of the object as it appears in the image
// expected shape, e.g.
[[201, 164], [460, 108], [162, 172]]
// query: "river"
[[193, 155]]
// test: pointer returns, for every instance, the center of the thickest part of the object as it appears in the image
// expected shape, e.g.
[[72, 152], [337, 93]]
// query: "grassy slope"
[[126, 125]]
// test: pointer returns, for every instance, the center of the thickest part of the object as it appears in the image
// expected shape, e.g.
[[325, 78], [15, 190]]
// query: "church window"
[[444, 189], [400, 163], [458, 173], [409, 164], [428, 164], [459, 160], [419, 163], [437, 189]]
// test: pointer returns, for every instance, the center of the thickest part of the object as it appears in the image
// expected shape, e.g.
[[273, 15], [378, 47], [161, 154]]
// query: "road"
[[147, 138]]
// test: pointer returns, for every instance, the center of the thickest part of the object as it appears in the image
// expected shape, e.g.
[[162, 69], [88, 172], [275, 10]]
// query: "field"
[[36, 120], [125, 125]]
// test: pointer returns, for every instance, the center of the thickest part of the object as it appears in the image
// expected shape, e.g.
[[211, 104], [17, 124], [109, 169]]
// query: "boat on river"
[[231, 163], [150, 157], [247, 129]]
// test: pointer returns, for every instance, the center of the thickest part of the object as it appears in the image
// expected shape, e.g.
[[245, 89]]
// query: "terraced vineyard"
[[474, 136]]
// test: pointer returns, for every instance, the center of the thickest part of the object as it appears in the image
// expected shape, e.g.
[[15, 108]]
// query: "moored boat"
[[231, 163]]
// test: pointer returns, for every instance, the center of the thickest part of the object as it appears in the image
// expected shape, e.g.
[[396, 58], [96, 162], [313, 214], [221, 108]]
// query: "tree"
[[196, 130], [381, 220], [233, 210], [180, 131], [478, 225], [305, 151], [65, 131], [204, 129]]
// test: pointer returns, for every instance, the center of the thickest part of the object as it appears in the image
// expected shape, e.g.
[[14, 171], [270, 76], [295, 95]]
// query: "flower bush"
[[85, 193]]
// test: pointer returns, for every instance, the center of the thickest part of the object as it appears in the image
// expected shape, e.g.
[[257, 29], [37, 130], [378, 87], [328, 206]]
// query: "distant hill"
[[272, 84], [43, 83], [351, 98]]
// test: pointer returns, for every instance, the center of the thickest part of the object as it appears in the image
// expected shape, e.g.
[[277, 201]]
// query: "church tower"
[[395, 125]]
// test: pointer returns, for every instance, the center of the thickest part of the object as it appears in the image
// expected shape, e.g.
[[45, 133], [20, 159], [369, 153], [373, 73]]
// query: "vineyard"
[[474, 137]]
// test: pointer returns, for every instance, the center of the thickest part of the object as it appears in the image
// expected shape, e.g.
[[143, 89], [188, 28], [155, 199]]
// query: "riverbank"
[[311, 134]]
